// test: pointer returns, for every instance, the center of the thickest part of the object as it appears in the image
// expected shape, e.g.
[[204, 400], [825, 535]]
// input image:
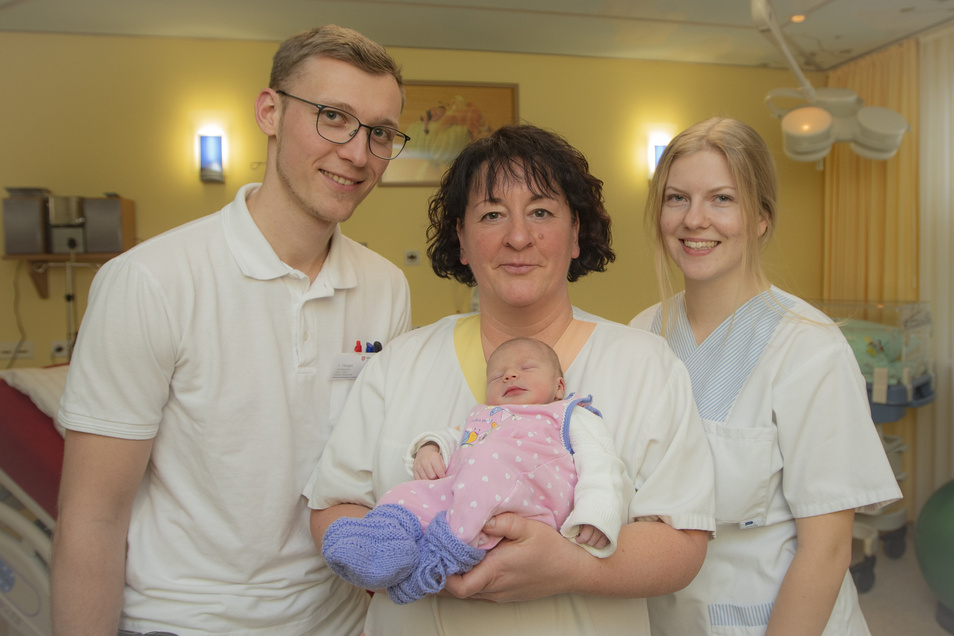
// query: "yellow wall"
[[85, 115]]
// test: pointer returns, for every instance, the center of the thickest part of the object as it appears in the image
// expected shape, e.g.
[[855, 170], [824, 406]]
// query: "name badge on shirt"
[[349, 365]]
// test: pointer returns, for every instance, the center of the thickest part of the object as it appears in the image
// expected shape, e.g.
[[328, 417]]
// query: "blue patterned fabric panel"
[[725, 615], [720, 366]]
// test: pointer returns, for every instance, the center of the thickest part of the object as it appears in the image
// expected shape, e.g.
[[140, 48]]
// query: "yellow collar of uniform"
[[470, 355]]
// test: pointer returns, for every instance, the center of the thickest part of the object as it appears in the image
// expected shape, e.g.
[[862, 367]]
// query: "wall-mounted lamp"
[[657, 144], [210, 158]]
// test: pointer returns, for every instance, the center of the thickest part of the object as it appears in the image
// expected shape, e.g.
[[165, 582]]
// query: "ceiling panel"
[[705, 31]]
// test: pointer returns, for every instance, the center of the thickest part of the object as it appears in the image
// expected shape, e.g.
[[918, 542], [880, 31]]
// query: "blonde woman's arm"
[[810, 588]]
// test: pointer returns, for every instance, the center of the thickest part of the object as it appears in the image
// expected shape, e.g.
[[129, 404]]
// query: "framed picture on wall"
[[440, 119]]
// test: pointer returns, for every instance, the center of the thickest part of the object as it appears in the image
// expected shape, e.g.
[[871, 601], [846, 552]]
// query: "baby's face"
[[518, 373]]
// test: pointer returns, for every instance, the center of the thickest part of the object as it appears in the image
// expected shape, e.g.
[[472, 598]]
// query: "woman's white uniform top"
[[417, 383], [786, 411]]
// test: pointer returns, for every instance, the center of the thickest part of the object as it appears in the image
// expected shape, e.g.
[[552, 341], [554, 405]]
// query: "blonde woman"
[[782, 401]]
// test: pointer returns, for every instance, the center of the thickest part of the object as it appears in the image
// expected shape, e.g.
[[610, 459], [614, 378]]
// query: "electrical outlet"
[[24, 351], [412, 257], [59, 349]]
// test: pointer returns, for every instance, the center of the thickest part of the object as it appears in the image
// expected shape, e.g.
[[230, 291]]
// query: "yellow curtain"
[[935, 448], [871, 207]]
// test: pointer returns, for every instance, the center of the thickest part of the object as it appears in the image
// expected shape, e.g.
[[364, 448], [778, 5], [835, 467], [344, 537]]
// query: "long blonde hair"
[[753, 169]]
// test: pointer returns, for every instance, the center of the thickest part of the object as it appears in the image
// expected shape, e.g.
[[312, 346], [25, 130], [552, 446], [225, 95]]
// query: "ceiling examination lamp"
[[831, 114]]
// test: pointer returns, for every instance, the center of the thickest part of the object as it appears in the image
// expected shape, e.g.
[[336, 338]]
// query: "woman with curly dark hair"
[[520, 215], [512, 154]]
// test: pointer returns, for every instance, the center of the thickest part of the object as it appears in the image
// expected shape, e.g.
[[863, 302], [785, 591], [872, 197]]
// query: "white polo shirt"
[[202, 338]]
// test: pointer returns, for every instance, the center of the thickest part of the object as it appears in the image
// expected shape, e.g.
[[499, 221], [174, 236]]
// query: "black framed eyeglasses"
[[340, 127]]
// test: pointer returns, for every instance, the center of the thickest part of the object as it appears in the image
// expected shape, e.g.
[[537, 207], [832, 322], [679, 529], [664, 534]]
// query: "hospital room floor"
[[900, 603]]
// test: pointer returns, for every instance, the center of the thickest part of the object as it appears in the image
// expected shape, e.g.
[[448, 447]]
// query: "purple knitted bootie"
[[442, 554], [377, 551]]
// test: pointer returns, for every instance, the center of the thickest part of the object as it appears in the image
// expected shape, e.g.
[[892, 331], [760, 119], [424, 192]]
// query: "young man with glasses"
[[212, 364]]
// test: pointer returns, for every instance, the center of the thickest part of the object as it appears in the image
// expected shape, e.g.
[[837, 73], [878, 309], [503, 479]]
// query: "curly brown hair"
[[549, 165]]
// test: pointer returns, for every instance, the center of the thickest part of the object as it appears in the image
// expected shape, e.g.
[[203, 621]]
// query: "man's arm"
[[101, 476]]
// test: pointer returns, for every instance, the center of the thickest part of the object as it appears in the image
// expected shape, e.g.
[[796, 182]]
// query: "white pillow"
[[42, 385]]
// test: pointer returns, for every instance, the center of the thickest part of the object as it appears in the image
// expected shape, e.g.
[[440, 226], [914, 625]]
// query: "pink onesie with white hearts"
[[512, 458]]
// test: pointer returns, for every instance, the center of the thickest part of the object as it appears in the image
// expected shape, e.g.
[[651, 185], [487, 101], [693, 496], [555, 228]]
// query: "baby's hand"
[[592, 537], [428, 463]]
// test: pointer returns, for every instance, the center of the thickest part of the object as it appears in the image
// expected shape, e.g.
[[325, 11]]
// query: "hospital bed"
[[31, 456]]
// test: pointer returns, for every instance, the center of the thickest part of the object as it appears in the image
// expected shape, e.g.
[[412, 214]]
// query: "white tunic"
[[786, 411], [203, 339], [417, 383]]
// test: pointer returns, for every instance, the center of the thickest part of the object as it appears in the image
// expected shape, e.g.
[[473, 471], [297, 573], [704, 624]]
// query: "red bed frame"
[[31, 458], [31, 449]]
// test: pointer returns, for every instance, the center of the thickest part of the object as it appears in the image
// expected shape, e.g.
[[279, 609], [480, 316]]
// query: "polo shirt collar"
[[256, 258]]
